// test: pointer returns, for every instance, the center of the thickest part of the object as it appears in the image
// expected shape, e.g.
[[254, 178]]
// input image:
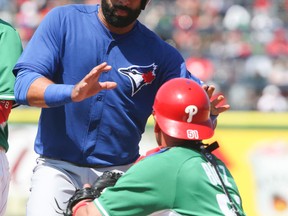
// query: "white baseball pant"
[[4, 181], [54, 182]]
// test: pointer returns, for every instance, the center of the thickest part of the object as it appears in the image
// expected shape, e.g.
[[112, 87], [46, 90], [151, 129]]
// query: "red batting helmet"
[[182, 110]]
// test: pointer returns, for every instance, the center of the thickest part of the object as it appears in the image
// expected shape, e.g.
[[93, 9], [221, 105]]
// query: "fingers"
[[217, 105], [96, 71], [90, 84], [87, 185], [101, 68], [209, 89], [215, 108], [218, 100], [108, 85]]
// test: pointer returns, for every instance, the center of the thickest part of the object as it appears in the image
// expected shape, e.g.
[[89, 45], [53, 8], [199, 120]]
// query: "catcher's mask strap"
[[211, 159], [213, 146]]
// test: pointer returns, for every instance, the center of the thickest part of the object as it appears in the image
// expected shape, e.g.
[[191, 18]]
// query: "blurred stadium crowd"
[[240, 46]]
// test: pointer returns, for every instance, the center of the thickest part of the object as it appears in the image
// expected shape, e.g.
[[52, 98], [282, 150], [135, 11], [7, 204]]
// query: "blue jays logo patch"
[[139, 75]]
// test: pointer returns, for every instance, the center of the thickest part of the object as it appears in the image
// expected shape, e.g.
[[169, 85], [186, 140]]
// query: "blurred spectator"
[[279, 44], [27, 20], [237, 17], [279, 72], [260, 64], [201, 67], [272, 100], [244, 40], [235, 45]]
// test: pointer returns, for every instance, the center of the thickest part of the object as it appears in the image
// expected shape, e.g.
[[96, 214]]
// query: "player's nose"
[[124, 2]]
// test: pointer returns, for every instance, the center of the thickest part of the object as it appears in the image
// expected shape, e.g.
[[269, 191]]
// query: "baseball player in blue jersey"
[[94, 70]]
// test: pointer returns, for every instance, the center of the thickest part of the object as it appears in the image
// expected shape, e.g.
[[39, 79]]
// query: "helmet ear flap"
[[157, 129]]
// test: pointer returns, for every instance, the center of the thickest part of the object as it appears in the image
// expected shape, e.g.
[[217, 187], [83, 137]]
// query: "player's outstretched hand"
[[217, 105], [90, 84]]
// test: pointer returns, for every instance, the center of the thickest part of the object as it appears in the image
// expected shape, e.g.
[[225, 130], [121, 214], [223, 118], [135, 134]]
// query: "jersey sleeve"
[[10, 50], [175, 65], [41, 54], [142, 190]]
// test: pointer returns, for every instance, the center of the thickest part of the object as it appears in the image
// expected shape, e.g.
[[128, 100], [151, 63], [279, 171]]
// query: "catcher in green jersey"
[[10, 50], [183, 177]]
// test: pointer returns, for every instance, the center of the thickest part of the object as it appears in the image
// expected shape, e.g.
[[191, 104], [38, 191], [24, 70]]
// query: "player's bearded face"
[[119, 21]]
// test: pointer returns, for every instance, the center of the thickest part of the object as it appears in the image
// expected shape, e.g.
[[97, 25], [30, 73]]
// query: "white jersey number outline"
[[222, 199]]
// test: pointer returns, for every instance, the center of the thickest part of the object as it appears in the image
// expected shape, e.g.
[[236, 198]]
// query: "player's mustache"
[[121, 7]]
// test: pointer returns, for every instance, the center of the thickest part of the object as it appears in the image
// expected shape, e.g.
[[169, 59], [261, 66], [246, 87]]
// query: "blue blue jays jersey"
[[104, 129]]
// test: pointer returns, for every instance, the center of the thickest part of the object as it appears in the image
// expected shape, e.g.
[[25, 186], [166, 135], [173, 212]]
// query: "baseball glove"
[[107, 179]]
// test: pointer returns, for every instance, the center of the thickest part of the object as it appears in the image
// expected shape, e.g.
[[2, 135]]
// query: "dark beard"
[[119, 21]]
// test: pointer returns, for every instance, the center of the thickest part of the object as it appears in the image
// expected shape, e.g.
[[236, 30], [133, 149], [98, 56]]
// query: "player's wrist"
[[75, 94], [214, 120], [58, 94], [80, 204]]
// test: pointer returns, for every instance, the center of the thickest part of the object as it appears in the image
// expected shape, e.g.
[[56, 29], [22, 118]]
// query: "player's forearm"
[[44, 93], [35, 94], [23, 82], [33, 89]]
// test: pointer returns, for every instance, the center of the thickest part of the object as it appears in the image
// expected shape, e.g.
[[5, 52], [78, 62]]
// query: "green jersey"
[[179, 179], [10, 50]]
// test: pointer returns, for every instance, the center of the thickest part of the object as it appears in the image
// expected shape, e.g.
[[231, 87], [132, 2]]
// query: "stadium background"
[[241, 47]]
